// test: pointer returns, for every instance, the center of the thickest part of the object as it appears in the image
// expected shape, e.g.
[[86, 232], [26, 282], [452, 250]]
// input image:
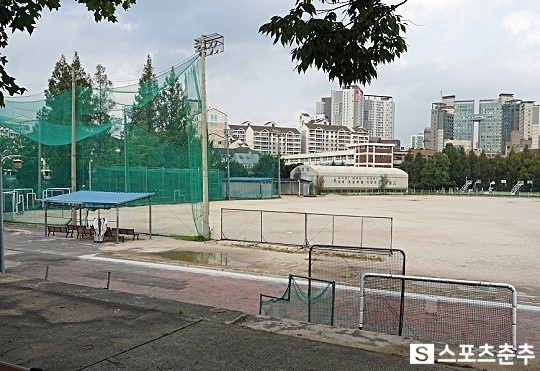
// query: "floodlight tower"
[[206, 45]]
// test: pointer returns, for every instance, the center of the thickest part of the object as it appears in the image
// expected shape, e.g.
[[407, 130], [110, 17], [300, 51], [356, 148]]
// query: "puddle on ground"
[[204, 258]]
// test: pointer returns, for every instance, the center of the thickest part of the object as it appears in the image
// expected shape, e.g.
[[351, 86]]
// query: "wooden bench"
[[112, 233], [83, 231], [58, 228], [128, 232], [72, 228]]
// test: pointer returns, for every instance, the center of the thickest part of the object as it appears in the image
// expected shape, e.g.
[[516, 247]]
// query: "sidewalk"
[[58, 326], [151, 319]]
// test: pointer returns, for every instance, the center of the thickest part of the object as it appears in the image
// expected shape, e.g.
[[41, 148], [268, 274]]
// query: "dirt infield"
[[461, 237]]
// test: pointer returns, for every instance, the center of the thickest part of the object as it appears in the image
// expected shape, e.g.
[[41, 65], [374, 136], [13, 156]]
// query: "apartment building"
[[417, 141], [528, 123], [324, 108], [463, 128], [442, 122], [351, 108], [379, 116], [324, 138], [490, 138], [347, 107], [268, 138], [217, 123]]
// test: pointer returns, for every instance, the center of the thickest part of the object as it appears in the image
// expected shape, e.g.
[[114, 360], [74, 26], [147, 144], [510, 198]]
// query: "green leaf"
[[367, 34]]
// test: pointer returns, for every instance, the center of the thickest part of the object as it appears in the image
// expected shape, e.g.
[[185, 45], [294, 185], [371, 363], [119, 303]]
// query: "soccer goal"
[[439, 310]]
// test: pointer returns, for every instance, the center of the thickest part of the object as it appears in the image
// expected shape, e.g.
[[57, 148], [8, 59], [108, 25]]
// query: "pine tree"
[[58, 111], [102, 99], [173, 114], [145, 107], [146, 147]]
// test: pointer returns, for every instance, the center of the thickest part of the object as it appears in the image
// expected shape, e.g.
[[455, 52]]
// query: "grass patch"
[[285, 249], [190, 238]]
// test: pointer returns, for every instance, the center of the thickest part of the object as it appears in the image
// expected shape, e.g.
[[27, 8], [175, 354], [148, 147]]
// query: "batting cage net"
[[143, 137], [439, 310], [345, 266], [305, 299]]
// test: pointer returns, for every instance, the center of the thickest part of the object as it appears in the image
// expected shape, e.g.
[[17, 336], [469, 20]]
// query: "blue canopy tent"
[[99, 200]]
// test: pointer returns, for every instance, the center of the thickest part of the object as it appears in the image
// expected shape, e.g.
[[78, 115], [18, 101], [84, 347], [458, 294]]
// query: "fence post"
[[221, 222], [309, 300], [361, 231], [261, 239], [108, 280], [391, 232], [401, 305], [333, 228], [306, 242]]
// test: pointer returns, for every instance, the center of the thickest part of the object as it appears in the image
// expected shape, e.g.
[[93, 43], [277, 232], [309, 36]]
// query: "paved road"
[[153, 339]]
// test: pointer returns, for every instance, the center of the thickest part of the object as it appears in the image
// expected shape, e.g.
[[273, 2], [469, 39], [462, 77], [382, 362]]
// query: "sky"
[[474, 49]]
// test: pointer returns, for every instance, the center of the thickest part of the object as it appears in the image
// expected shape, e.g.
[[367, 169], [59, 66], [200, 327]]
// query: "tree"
[[484, 172], [173, 111], [472, 166], [58, 95], [145, 145], [319, 184], [57, 111], [286, 170], [435, 172], [103, 101], [237, 169], [267, 166], [457, 175], [415, 175], [383, 182], [347, 39], [145, 107], [22, 16]]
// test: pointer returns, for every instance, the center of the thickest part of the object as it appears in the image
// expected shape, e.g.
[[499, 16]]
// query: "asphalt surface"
[[70, 322]]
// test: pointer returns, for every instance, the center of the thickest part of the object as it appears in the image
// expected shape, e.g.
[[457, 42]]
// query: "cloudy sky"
[[473, 49]]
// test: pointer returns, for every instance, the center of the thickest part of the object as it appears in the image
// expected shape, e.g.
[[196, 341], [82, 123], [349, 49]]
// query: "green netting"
[[143, 137], [168, 185], [305, 299], [48, 120]]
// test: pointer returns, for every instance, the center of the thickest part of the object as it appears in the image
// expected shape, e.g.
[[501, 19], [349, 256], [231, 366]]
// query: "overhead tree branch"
[[349, 50], [22, 16]]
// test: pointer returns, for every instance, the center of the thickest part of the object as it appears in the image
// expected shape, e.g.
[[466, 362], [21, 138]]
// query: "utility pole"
[[206, 45]]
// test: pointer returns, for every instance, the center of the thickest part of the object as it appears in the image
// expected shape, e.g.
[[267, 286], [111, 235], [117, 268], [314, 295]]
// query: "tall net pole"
[[204, 139], [73, 145], [206, 45], [127, 179]]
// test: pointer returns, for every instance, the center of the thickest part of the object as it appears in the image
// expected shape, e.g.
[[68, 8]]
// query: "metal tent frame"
[[100, 200]]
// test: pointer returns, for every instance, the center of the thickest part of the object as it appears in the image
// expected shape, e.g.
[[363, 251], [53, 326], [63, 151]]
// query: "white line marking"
[[218, 273], [183, 268]]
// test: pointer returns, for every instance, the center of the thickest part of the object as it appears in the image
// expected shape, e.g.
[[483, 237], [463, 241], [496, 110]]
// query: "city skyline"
[[470, 49]]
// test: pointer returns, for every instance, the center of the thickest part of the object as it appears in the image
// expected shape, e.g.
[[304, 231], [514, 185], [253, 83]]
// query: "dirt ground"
[[461, 237]]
